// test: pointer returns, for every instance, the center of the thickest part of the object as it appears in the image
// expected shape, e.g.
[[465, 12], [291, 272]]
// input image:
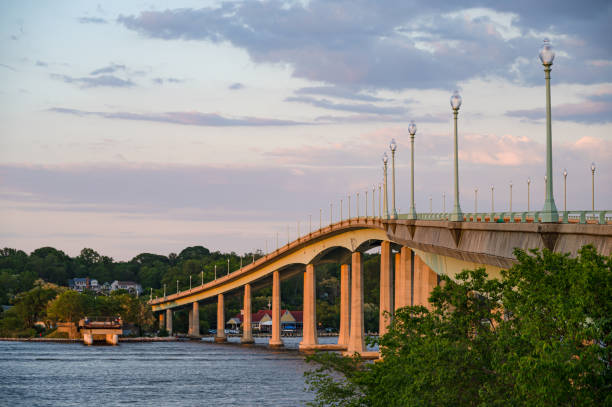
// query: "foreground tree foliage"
[[539, 337]]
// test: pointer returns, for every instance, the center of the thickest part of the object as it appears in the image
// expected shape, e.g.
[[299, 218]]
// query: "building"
[[261, 321], [80, 284], [130, 286]]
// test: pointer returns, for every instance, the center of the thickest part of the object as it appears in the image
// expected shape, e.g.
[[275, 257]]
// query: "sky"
[[150, 126]]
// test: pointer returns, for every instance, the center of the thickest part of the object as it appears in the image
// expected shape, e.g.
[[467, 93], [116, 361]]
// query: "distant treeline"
[[19, 271]]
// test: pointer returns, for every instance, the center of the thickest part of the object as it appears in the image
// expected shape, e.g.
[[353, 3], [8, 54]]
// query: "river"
[[186, 373]]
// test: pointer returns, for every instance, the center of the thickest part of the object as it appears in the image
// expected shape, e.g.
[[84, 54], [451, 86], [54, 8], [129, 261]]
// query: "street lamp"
[[393, 147], [565, 189], [177, 286], [385, 159], [190, 282], [366, 204], [357, 201], [164, 290], [444, 202], [528, 184], [510, 198], [215, 271], [412, 128], [492, 199], [475, 200], [592, 186], [203, 271], [455, 102], [430, 204], [373, 202], [549, 213], [229, 259]]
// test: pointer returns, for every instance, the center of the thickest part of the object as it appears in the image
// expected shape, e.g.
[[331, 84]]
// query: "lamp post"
[[331, 213], [564, 189], [444, 202], [510, 197], [164, 290], [385, 159], [373, 202], [592, 186], [190, 282], [412, 128], [393, 147], [215, 271], [457, 215], [228, 264], [177, 286], [203, 275], [528, 184], [430, 204], [349, 207], [357, 201], [366, 204], [549, 212], [475, 200], [379, 201], [492, 198]]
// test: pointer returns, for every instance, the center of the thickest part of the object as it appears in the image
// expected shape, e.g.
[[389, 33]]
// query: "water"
[[186, 373]]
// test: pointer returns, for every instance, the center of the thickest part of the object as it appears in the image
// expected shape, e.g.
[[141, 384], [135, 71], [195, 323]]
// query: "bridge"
[[414, 253]]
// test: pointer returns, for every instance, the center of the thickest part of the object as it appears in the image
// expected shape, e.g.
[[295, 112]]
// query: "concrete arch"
[[306, 250]]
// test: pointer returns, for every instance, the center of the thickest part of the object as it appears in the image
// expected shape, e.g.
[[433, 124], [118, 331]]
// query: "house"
[[261, 321], [79, 284], [130, 286]]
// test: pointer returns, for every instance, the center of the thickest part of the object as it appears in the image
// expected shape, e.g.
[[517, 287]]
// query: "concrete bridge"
[[414, 253]]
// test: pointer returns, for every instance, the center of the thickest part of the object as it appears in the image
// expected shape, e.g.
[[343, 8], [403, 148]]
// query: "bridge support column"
[[112, 339], [403, 278], [247, 326], [190, 322], [220, 336], [88, 339], [162, 321], [275, 340], [309, 334], [356, 340], [345, 305], [169, 321], [386, 288], [425, 279], [195, 330]]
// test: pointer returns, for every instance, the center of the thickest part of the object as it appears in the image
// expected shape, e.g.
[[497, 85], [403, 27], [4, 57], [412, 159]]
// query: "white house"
[[129, 286]]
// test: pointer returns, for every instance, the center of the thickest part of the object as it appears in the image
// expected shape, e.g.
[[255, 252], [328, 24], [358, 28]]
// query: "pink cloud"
[[507, 150]]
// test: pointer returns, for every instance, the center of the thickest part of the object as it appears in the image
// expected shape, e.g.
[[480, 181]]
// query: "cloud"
[[10, 68], [92, 20], [596, 109], [356, 108], [161, 81], [96, 81], [184, 118], [41, 63], [399, 44], [507, 150], [338, 92], [112, 68], [236, 86]]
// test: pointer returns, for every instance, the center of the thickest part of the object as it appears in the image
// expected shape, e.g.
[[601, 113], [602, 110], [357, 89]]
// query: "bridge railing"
[[583, 217]]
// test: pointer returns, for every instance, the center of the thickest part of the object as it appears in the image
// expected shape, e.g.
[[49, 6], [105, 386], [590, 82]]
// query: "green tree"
[[540, 336], [69, 306]]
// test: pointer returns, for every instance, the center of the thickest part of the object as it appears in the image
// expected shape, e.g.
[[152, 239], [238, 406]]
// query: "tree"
[[69, 306], [541, 335]]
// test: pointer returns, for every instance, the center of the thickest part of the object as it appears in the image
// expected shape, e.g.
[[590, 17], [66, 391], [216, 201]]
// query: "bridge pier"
[[386, 288], [356, 342], [88, 339], [345, 305], [309, 333], [195, 330], [162, 321], [403, 276], [425, 280], [247, 326], [275, 340], [169, 321], [112, 339], [190, 322], [220, 336]]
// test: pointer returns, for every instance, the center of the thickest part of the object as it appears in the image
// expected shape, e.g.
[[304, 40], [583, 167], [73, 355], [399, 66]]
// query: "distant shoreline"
[[65, 340]]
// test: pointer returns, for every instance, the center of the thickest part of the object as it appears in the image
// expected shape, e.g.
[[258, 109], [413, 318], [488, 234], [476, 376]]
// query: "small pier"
[[101, 328]]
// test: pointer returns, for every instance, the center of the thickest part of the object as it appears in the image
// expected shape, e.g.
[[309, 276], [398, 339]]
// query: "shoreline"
[[65, 340]]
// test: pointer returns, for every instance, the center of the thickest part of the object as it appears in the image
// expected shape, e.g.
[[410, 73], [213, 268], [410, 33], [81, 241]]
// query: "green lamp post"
[[393, 147], [456, 215], [549, 212], [412, 128], [385, 160]]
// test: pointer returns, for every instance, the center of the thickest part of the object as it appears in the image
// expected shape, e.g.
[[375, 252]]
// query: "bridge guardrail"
[[600, 217]]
